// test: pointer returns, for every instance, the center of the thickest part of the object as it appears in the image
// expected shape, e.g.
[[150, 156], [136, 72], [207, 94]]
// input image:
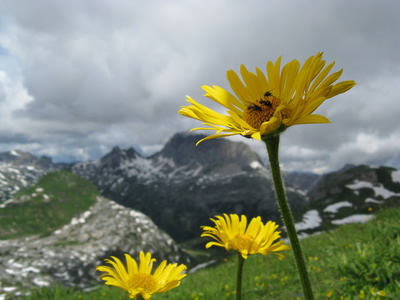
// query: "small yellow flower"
[[330, 293], [268, 104], [138, 279], [230, 232], [381, 293]]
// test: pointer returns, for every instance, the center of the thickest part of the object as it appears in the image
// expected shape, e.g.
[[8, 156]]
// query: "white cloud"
[[13, 95]]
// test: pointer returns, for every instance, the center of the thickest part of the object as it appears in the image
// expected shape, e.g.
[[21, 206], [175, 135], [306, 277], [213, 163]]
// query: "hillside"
[[353, 194], [52, 202]]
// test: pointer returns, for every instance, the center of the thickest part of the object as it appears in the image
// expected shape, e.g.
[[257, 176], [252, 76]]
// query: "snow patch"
[[81, 219], [396, 176], [255, 165], [13, 152], [31, 269], [370, 200], [379, 189], [40, 282], [334, 208], [13, 170], [311, 219], [353, 219]]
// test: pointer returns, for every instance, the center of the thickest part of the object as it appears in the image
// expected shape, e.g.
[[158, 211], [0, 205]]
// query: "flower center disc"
[[261, 110], [245, 240], [143, 282]]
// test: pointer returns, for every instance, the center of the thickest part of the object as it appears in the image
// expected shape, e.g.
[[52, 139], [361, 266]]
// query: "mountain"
[[19, 170], [182, 186], [351, 195], [69, 253]]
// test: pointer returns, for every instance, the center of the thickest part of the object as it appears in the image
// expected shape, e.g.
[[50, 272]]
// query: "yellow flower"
[[230, 232], [269, 104], [381, 293], [138, 279]]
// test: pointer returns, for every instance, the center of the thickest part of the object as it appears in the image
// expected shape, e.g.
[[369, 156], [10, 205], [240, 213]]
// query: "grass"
[[357, 261], [46, 206]]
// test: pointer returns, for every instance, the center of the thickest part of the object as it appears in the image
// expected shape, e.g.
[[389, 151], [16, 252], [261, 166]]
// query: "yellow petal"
[[310, 119]]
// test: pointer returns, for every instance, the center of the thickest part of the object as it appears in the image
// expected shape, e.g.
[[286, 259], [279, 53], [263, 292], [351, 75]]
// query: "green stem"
[[272, 143], [239, 277], [139, 297]]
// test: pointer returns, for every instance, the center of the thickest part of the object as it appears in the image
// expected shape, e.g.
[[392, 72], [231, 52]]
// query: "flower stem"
[[239, 277], [272, 143]]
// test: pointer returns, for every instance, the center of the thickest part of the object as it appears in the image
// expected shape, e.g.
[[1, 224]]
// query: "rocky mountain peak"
[[118, 156], [182, 149], [21, 158]]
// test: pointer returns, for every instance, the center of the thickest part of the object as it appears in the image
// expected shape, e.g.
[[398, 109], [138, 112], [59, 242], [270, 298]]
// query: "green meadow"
[[356, 261], [56, 198]]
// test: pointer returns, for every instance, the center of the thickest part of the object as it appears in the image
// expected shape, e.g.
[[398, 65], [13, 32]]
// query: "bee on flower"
[[269, 103]]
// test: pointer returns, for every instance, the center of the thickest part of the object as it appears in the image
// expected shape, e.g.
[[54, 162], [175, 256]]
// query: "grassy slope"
[[357, 261], [38, 212]]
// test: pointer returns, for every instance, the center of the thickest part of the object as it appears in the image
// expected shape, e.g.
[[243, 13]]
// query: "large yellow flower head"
[[269, 104], [230, 232], [138, 279]]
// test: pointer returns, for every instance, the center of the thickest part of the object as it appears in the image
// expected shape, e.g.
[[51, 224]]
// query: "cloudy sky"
[[79, 77]]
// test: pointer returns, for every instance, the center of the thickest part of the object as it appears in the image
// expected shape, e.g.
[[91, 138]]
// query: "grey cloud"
[[106, 73]]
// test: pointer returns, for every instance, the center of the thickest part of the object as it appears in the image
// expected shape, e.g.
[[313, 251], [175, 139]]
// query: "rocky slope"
[[19, 170], [70, 254]]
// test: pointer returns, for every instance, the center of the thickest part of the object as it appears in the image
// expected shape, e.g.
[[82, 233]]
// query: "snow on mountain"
[[183, 185], [334, 208], [379, 190], [350, 195], [311, 220], [396, 176], [19, 170], [353, 219]]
